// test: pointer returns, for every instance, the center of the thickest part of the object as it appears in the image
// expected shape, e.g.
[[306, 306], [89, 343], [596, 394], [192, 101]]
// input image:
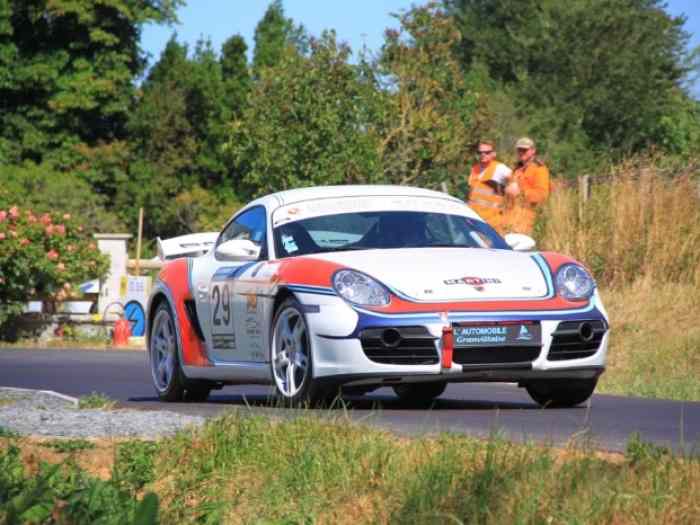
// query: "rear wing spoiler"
[[191, 245]]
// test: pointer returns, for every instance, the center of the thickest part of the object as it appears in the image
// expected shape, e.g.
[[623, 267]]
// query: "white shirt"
[[500, 175]]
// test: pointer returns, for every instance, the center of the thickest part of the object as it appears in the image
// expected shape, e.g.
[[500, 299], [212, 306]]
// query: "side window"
[[251, 225]]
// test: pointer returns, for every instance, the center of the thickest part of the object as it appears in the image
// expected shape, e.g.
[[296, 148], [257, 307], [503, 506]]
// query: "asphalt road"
[[474, 409]]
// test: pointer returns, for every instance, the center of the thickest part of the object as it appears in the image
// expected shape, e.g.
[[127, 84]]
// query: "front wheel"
[[168, 378], [291, 359], [561, 393], [419, 393]]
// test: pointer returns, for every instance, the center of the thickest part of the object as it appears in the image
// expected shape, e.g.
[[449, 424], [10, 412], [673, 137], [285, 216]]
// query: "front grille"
[[410, 345], [568, 343], [495, 355]]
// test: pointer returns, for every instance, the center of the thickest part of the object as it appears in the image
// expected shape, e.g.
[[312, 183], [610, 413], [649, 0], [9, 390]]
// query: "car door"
[[227, 340]]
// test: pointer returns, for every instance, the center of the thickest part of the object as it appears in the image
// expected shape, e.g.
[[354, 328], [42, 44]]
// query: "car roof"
[[283, 198]]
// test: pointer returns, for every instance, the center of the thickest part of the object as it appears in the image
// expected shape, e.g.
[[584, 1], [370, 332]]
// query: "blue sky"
[[358, 22]]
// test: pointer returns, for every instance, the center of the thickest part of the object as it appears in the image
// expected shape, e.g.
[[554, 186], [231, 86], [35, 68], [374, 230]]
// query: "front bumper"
[[338, 352]]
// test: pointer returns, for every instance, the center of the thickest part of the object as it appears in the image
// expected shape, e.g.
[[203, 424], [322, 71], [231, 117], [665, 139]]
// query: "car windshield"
[[372, 230]]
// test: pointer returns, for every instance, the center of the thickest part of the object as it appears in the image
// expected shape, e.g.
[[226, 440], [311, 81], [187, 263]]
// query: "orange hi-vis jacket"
[[520, 213], [486, 194]]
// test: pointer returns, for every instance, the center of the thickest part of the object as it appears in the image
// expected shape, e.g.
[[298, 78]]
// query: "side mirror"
[[520, 242], [238, 250]]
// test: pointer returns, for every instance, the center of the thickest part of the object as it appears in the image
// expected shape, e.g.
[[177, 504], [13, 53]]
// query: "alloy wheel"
[[290, 352], [163, 348]]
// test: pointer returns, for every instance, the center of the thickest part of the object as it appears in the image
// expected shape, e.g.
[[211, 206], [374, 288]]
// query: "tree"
[[43, 189], [600, 73], [432, 116], [177, 131], [306, 123], [66, 72], [273, 35], [235, 74]]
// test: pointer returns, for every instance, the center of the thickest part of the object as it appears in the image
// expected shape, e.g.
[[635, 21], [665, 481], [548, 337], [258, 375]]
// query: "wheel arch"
[[156, 300], [283, 293]]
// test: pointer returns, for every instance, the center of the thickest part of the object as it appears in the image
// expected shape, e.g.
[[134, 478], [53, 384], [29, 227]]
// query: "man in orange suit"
[[527, 190], [487, 182]]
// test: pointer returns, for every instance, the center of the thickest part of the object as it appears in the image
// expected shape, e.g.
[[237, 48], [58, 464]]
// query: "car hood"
[[450, 274]]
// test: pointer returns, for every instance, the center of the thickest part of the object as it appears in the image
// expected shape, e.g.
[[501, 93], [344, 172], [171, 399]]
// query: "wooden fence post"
[[137, 270], [584, 193]]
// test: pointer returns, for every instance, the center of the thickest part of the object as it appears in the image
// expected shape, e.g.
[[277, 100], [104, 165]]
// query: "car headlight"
[[361, 289], [574, 282]]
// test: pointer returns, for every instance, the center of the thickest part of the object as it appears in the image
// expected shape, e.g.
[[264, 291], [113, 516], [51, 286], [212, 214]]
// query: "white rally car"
[[357, 287]]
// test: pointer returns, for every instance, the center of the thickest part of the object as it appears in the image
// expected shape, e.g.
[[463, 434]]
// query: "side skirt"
[[241, 373]]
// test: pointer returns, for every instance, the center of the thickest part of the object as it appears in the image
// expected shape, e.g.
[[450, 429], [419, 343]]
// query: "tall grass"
[[639, 233], [654, 341], [640, 223]]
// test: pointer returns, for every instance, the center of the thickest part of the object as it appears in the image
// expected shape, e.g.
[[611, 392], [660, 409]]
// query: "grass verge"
[[240, 469], [655, 341]]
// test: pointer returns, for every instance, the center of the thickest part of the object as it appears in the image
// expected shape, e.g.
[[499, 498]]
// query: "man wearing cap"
[[487, 182], [528, 189]]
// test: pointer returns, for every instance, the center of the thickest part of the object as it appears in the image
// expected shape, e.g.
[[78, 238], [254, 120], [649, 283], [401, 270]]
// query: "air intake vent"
[[496, 355], [191, 310], [576, 339], [405, 345]]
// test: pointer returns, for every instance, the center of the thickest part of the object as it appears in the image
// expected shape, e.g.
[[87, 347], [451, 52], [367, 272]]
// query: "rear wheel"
[[291, 359], [163, 349], [561, 393], [419, 393]]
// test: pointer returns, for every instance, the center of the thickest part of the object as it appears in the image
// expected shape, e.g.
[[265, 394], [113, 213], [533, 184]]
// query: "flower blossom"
[[60, 267], [24, 242], [52, 255], [3, 215], [60, 229], [49, 229], [2, 236], [45, 219], [66, 216], [14, 212]]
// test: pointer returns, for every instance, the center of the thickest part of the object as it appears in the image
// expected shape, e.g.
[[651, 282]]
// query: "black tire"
[[291, 359], [169, 380], [420, 393], [561, 393]]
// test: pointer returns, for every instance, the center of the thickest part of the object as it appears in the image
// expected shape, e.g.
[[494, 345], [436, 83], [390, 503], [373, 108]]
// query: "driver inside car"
[[403, 229]]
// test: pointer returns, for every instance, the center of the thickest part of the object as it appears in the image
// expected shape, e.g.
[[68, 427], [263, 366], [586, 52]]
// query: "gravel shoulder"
[[49, 414]]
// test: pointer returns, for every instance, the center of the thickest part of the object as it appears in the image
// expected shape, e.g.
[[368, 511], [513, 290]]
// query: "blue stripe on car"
[[369, 319], [231, 272]]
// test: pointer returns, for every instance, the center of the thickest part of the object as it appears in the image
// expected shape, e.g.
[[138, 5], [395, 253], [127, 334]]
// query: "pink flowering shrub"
[[42, 257]]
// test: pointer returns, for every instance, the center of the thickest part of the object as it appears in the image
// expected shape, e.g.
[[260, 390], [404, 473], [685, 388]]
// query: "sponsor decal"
[[502, 334], [476, 282], [524, 334], [251, 302], [252, 329]]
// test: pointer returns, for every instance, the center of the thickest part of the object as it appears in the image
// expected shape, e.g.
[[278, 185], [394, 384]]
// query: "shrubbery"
[[43, 256]]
